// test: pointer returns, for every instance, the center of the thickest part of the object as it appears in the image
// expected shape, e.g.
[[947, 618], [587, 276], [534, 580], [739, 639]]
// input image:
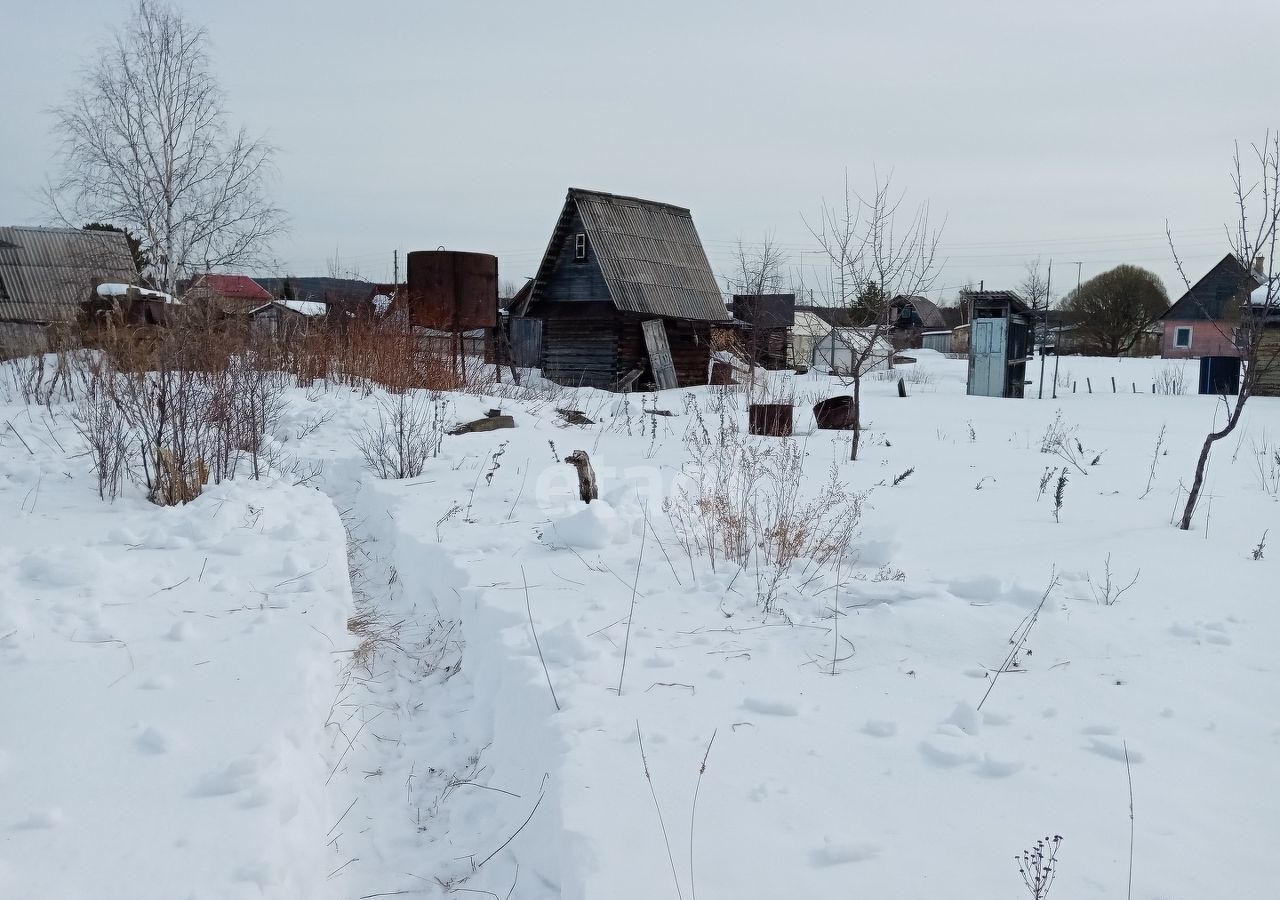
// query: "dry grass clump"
[[197, 397], [377, 634], [368, 351], [743, 500]]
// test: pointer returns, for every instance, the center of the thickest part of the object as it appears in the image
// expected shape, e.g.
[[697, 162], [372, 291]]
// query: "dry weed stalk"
[[743, 500]]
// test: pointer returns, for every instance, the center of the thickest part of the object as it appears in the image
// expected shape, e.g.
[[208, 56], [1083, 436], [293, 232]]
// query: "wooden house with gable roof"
[[624, 297], [1202, 322]]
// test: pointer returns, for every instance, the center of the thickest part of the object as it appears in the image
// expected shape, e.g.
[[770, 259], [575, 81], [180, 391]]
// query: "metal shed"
[[840, 348], [936, 340], [999, 344]]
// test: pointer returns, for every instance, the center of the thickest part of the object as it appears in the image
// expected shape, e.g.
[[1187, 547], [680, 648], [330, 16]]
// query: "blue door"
[[987, 348]]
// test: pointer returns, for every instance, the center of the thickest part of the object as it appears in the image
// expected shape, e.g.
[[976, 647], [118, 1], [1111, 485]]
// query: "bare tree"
[[1112, 311], [1035, 289], [758, 269], [508, 288], [876, 250], [1253, 238], [145, 145], [335, 268]]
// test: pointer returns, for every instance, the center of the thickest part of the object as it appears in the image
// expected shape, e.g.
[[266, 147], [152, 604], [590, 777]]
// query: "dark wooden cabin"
[[624, 297], [1202, 322], [763, 322]]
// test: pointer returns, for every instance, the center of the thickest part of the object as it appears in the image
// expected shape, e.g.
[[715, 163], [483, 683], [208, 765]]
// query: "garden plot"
[[751, 668]]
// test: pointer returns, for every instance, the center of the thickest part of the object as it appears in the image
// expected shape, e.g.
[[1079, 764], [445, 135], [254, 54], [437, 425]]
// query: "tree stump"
[[902, 387], [587, 489]]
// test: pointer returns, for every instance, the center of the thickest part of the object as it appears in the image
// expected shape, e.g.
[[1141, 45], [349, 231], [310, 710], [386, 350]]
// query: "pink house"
[[1202, 321]]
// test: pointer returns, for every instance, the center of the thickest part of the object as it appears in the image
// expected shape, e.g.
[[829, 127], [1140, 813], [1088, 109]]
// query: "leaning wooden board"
[[655, 341]]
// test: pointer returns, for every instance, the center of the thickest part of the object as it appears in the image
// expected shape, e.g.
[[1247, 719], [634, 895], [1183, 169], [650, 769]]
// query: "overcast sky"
[[1064, 130]]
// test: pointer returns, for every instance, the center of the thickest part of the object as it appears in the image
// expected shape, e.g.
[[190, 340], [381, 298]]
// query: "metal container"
[[836, 413], [771, 419], [449, 290]]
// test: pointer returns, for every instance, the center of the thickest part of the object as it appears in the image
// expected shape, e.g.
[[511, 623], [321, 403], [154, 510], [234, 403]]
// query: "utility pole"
[[395, 272], [1044, 332]]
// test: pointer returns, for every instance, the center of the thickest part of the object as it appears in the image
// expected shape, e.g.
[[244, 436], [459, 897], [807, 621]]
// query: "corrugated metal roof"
[[650, 255], [233, 287], [996, 298], [46, 272]]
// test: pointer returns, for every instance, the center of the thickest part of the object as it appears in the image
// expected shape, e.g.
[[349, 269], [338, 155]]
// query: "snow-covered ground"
[[333, 690]]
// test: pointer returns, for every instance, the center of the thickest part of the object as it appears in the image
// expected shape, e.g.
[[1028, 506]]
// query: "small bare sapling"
[[1109, 591]]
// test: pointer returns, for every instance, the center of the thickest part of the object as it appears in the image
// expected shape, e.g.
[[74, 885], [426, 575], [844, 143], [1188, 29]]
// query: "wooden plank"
[[1268, 382], [655, 340], [526, 342]]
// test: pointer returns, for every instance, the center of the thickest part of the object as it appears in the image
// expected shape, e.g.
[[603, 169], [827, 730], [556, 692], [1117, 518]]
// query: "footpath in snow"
[[469, 682]]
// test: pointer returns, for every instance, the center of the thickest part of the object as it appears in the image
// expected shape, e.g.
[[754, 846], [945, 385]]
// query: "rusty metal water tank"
[[450, 290]]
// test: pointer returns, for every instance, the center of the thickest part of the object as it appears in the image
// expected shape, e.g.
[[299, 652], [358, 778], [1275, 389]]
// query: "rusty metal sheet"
[[450, 290]]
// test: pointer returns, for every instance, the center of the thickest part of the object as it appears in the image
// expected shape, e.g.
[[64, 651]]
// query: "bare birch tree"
[[759, 269], [1253, 238], [876, 249], [145, 144], [1035, 290]]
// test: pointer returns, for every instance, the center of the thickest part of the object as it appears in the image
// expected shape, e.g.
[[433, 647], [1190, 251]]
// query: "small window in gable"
[[580, 247], [1182, 337]]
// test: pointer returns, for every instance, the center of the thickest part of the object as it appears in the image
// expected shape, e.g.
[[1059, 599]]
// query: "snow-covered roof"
[[116, 289], [1260, 294], [306, 307]]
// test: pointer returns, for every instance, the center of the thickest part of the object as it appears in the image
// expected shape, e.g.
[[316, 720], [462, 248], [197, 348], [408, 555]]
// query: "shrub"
[[408, 432]]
